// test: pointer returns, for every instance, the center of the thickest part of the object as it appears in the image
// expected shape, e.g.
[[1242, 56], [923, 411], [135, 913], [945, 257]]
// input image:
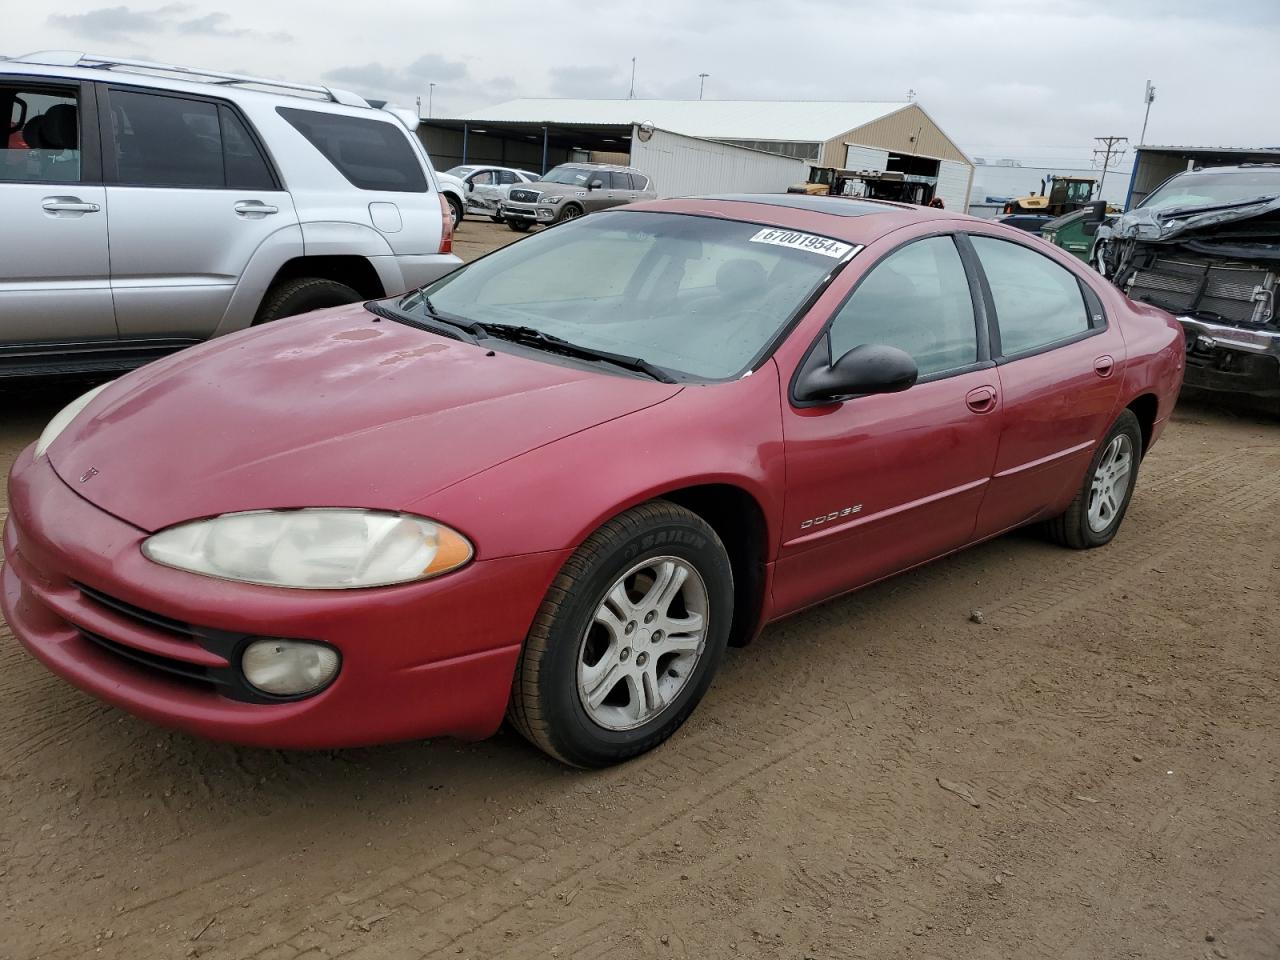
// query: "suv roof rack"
[[74, 58]]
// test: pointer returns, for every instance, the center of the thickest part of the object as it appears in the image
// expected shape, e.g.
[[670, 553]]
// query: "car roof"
[[855, 220]]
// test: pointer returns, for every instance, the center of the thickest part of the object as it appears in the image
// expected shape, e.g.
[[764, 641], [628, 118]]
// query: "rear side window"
[[916, 299], [1037, 301], [621, 181], [371, 154], [164, 141]]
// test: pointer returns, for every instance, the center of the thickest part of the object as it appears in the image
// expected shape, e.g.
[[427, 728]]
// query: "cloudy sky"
[[1006, 78]]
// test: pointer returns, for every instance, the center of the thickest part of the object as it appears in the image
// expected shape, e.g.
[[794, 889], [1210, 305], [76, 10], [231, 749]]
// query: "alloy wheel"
[[1110, 483], [642, 645]]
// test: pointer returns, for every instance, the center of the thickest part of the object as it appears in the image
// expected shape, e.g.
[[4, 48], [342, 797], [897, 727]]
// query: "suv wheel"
[[571, 211], [519, 226], [292, 297]]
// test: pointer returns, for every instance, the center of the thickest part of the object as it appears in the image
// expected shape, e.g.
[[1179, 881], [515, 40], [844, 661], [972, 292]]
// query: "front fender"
[[553, 497]]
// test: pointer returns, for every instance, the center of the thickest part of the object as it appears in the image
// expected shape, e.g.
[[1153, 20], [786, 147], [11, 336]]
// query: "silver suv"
[[572, 189], [145, 207]]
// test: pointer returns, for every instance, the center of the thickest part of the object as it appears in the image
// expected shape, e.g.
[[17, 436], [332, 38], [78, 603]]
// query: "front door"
[[192, 197], [1060, 367], [876, 484], [54, 270]]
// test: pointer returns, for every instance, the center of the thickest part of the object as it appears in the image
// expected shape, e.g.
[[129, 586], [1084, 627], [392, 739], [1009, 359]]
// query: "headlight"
[[552, 199], [64, 417], [288, 668], [312, 549]]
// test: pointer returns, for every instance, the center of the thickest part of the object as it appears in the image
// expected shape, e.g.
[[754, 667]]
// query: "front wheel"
[[628, 638], [1099, 507], [571, 211], [519, 226]]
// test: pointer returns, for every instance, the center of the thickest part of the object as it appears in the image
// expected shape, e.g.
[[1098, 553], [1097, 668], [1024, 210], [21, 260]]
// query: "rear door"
[[192, 197], [54, 266], [1059, 363]]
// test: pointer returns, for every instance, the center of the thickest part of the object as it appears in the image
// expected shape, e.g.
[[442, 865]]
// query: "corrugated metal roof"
[[1189, 149], [805, 121]]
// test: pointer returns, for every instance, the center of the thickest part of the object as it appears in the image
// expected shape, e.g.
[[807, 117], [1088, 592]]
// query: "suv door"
[[54, 271], [876, 484], [1060, 367], [192, 197]]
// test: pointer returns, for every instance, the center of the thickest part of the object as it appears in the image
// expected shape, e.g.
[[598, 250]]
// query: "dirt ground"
[[1089, 773]]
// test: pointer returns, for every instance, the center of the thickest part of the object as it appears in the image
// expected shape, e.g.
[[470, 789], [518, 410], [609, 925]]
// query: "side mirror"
[[870, 368], [595, 184]]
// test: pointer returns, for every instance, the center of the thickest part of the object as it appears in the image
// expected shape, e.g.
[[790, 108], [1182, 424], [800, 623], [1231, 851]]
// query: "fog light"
[[288, 668]]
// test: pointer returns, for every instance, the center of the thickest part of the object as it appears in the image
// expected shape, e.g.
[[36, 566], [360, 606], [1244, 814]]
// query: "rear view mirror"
[[870, 368]]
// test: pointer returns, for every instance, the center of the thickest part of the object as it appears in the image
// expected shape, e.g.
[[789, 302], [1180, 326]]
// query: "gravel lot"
[[1089, 773]]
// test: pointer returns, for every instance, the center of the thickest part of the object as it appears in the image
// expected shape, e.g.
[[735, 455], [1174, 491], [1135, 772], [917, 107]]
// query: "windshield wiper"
[[426, 320], [533, 337]]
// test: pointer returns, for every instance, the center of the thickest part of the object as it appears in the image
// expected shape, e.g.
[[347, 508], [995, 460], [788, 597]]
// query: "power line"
[[1109, 147]]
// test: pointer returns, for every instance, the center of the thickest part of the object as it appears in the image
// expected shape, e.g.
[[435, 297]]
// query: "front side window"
[[483, 178], [1037, 302], [42, 135], [695, 295], [916, 299], [370, 154]]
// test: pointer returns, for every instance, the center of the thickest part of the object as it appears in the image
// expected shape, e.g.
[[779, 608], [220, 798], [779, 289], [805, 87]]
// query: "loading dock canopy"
[[451, 142]]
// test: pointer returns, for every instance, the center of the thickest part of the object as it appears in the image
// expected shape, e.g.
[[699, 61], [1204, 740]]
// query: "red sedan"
[[557, 483]]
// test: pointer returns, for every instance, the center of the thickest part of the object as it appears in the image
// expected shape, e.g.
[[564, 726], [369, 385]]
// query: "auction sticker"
[[808, 242]]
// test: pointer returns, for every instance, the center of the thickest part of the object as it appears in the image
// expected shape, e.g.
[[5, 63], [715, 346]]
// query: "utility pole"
[[631, 94], [419, 106], [702, 80], [1111, 152], [431, 93], [1148, 97]]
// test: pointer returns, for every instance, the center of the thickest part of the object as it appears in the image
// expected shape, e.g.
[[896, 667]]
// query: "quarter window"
[[41, 139], [916, 299], [371, 154], [1037, 301]]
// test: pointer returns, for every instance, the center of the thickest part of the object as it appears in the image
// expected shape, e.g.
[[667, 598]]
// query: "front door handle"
[[981, 399], [255, 208], [56, 205], [1104, 365]]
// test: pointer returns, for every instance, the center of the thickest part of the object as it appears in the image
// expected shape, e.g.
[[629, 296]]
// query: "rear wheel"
[[1099, 507], [628, 638], [519, 226], [302, 295]]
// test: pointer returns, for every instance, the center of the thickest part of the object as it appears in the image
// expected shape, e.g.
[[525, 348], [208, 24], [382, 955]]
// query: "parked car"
[[572, 189], [1030, 222], [487, 187], [1205, 245], [555, 484], [150, 207]]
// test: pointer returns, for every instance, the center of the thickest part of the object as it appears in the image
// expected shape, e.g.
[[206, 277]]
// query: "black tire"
[[545, 704], [496, 219], [519, 226], [302, 295], [456, 208], [1072, 529], [571, 211]]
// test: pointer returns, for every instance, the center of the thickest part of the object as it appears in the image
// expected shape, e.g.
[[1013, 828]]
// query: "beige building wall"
[[895, 133]]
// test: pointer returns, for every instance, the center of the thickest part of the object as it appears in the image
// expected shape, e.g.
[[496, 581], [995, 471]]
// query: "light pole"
[[431, 91], [1149, 96], [702, 81]]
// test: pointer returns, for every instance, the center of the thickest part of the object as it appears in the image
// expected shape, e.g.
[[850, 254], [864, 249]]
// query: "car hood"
[[336, 408], [1155, 225]]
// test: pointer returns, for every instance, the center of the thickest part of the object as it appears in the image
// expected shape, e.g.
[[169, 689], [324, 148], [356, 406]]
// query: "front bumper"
[[1232, 359], [532, 212], [419, 660]]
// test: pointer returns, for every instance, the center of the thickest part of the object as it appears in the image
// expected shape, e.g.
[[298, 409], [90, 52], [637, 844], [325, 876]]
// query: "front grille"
[[524, 196], [145, 617], [1236, 293]]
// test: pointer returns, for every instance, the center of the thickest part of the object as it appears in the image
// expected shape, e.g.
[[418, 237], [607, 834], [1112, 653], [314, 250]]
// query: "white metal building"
[[693, 138]]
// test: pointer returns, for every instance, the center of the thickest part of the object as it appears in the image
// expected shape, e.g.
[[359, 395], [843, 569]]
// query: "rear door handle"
[[68, 205], [981, 399], [1104, 366], [255, 208]]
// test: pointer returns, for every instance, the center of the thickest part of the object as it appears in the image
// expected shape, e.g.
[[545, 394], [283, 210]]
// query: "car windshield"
[[459, 172], [1204, 189], [697, 296], [574, 175]]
